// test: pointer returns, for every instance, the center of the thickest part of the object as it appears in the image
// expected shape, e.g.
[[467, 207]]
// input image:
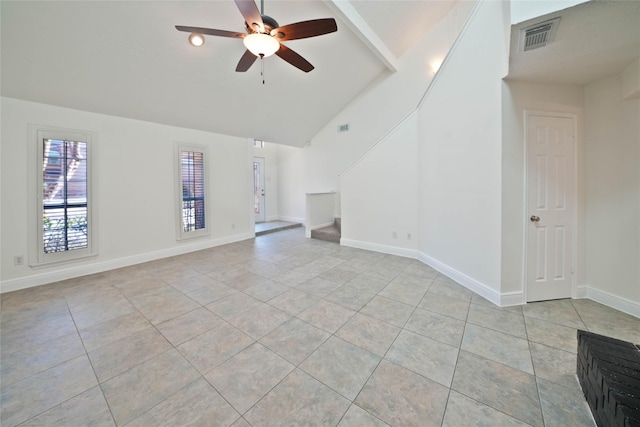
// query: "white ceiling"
[[595, 39], [125, 58], [402, 22]]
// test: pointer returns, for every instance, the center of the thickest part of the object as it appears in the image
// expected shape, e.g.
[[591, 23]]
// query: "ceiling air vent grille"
[[539, 35]]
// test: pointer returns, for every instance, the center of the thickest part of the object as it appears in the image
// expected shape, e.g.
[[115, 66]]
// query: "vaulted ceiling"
[[125, 58]]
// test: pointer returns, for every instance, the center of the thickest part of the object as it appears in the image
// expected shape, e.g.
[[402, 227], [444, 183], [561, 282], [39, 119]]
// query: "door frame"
[[263, 175], [574, 199]]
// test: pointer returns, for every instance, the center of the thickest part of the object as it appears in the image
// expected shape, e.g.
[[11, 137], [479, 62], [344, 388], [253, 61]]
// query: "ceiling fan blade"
[[294, 59], [304, 29], [251, 14], [246, 62], [211, 32]]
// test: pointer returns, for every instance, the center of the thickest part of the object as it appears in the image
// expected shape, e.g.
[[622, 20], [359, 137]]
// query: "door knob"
[[535, 218]]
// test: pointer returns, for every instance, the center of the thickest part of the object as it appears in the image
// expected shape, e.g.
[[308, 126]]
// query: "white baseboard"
[[468, 282], [376, 247], [619, 303], [503, 300], [580, 292], [508, 299], [97, 267]]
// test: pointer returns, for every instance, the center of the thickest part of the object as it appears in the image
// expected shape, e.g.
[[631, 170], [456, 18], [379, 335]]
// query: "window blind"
[[64, 197], [193, 190]]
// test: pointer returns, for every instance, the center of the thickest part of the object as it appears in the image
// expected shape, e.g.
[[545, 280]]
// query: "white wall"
[[370, 116], [320, 210], [380, 195], [459, 155], [631, 81], [291, 188], [608, 186], [612, 183], [516, 98], [134, 186]]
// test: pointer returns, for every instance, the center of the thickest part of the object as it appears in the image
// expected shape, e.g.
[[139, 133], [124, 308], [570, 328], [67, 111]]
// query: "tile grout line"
[[318, 251], [99, 384]]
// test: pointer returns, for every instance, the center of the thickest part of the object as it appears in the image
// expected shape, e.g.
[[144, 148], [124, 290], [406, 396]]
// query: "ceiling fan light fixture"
[[261, 44], [196, 39], [264, 35]]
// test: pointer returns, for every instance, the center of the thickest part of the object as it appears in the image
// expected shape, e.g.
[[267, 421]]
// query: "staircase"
[[331, 233]]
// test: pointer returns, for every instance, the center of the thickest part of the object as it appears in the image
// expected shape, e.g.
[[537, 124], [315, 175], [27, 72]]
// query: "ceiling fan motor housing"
[[269, 24]]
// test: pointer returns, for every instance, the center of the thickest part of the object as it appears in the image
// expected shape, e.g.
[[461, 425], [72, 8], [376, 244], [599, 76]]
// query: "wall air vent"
[[538, 35], [343, 128]]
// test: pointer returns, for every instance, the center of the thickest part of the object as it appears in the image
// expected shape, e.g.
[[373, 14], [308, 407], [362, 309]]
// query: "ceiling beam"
[[347, 13]]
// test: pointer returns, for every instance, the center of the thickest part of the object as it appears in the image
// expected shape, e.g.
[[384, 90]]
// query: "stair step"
[[329, 234], [279, 228]]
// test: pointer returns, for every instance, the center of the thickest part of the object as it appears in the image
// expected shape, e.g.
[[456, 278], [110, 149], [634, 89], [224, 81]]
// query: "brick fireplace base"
[[609, 373]]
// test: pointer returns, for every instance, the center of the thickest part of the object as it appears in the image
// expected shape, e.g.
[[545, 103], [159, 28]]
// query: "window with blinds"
[[64, 195], [193, 191], [63, 211]]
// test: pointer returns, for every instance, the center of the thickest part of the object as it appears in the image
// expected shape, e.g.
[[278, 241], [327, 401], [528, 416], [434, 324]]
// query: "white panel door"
[[550, 207], [258, 189]]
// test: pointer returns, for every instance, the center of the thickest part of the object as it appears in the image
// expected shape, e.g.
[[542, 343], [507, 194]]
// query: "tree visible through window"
[[64, 195], [193, 190], [60, 195]]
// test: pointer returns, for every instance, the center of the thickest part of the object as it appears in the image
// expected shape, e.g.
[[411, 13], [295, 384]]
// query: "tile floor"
[[283, 330]]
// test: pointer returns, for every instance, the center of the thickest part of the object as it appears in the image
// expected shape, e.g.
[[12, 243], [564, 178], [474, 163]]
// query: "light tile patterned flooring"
[[282, 330]]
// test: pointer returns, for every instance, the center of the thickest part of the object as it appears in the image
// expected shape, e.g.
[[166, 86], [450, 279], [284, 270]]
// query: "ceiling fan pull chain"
[[262, 67]]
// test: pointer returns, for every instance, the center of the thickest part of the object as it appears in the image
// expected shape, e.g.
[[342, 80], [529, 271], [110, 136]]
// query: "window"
[[62, 216], [192, 190], [258, 143]]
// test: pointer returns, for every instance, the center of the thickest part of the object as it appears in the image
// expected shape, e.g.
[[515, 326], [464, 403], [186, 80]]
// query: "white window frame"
[[37, 256], [181, 234]]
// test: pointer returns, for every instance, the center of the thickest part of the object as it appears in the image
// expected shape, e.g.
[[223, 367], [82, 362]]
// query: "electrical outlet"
[[394, 235], [408, 236], [18, 260]]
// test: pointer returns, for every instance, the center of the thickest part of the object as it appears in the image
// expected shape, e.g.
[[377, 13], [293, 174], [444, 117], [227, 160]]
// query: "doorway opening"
[[259, 208], [266, 222]]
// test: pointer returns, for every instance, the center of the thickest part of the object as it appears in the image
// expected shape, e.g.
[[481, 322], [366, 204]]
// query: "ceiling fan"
[[264, 35]]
